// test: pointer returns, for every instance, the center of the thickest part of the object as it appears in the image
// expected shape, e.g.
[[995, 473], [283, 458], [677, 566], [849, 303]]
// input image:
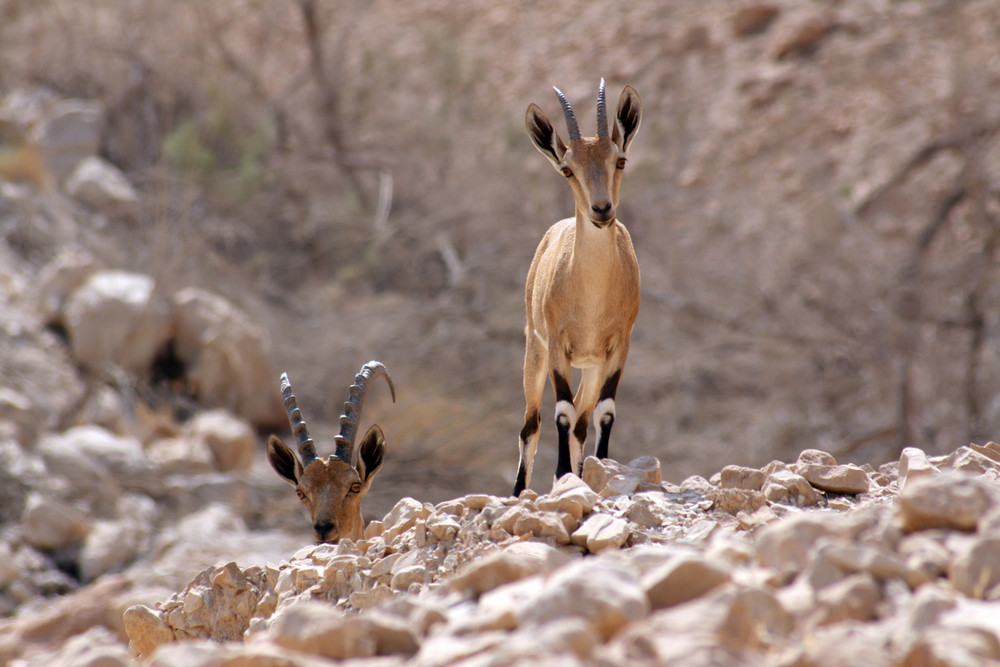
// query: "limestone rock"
[[683, 578], [52, 525], [785, 486], [914, 464], [104, 188], [60, 278], [974, 570], [946, 501], [785, 546], [115, 319], [146, 629], [849, 479], [229, 439], [316, 628], [226, 357], [517, 561], [600, 532], [852, 599], [606, 595], [741, 477]]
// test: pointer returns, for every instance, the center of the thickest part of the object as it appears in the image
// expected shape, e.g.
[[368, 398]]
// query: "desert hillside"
[[196, 197]]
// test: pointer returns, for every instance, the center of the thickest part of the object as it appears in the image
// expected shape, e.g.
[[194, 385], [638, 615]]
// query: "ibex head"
[[592, 165], [331, 488]]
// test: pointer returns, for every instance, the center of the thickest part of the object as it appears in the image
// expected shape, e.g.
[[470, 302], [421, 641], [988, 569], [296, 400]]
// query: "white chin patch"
[[565, 413]]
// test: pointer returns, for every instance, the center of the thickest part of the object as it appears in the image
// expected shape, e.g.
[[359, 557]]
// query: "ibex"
[[582, 292], [331, 488]]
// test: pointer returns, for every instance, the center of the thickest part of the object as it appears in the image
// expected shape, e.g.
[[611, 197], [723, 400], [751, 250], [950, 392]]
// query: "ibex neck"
[[594, 248]]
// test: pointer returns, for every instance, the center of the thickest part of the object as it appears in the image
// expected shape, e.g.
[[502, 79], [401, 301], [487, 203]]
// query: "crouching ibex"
[[582, 292], [331, 488]]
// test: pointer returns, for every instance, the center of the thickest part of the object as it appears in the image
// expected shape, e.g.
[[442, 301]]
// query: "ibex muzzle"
[[331, 488]]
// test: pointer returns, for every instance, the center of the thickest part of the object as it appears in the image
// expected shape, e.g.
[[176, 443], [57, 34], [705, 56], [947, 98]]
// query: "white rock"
[[600, 532], [914, 464], [974, 571], [229, 439], [146, 629], [60, 278], [104, 188], [115, 319], [120, 455], [605, 594], [226, 357], [949, 500], [785, 546], [51, 525], [683, 578]]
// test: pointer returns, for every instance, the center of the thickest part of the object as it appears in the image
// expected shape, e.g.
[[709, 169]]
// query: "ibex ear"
[[370, 455], [543, 134], [283, 460], [627, 118]]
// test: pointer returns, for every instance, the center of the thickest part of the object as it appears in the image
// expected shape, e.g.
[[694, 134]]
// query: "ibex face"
[[593, 166], [331, 488]]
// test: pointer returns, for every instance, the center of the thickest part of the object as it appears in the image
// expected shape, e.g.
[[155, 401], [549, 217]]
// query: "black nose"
[[323, 527], [601, 208]]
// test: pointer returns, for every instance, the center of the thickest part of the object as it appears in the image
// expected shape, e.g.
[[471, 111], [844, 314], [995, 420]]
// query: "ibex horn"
[[352, 408], [602, 113], [574, 129], [307, 449]]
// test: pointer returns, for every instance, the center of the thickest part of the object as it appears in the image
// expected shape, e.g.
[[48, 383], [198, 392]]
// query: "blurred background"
[[814, 198]]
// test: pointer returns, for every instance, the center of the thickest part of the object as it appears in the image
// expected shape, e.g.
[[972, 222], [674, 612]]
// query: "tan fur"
[[331, 489], [582, 290]]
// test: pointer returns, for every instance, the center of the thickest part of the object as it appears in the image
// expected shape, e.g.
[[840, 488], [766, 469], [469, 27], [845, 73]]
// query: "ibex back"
[[582, 292], [331, 488]]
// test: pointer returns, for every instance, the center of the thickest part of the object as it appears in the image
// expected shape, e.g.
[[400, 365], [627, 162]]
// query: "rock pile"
[[811, 563]]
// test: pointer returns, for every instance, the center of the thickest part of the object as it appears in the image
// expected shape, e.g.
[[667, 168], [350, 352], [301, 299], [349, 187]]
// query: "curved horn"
[[574, 129], [307, 449], [352, 408], [602, 113]]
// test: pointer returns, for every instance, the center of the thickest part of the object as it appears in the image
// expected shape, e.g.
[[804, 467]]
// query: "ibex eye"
[[300, 494], [356, 487], [621, 163], [567, 172]]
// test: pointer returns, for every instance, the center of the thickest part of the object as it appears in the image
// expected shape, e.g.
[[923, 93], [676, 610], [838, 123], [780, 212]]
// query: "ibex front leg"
[[534, 386], [604, 412]]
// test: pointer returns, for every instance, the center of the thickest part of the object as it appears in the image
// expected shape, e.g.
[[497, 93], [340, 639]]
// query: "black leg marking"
[[520, 483], [561, 385], [608, 392], [529, 429], [530, 426], [610, 387], [607, 421], [563, 394], [580, 432]]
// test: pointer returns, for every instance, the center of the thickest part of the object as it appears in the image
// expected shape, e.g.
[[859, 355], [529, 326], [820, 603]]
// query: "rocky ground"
[[807, 563], [814, 197]]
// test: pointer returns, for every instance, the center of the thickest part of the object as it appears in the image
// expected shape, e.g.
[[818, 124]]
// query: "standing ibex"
[[582, 292], [331, 488]]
